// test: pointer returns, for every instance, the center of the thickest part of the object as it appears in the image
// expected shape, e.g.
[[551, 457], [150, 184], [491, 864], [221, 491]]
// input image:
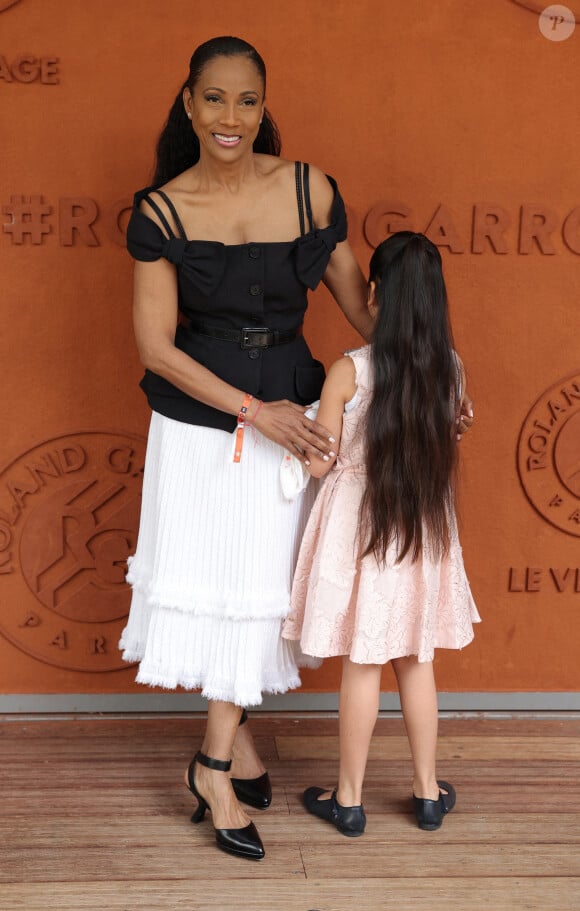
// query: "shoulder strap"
[[307, 196], [160, 215], [173, 211], [299, 198], [303, 196]]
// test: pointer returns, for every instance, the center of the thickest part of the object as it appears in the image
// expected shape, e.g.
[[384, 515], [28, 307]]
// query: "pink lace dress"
[[342, 605]]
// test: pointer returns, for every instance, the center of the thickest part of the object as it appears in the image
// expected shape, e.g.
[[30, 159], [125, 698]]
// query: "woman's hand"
[[466, 418], [285, 423]]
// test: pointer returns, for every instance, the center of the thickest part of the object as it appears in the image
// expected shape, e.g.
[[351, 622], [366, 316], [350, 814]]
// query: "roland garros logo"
[[549, 455], [69, 513]]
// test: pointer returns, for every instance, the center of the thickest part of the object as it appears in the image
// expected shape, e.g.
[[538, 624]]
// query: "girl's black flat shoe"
[[257, 792], [430, 813], [244, 842], [349, 821]]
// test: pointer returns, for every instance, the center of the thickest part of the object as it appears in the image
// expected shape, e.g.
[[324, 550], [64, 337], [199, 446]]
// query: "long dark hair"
[[178, 146], [411, 446]]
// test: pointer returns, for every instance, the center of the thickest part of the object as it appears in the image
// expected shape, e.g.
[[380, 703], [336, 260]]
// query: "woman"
[[227, 241]]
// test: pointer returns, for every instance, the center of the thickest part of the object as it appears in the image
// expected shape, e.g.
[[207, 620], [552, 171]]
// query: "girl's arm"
[[339, 388]]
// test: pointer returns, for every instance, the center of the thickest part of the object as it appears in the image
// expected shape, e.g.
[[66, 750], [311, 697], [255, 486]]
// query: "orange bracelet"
[[240, 428], [255, 415]]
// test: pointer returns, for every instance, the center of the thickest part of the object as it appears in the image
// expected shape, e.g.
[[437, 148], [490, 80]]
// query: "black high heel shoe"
[[257, 792], [242, 842], [430, 813], [349, 821]]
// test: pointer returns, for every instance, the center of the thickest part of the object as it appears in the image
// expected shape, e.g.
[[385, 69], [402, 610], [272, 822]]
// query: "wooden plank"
[[62, 831], [168, 728], [197, 851], [339, 894], [466, 747], [434, 860]]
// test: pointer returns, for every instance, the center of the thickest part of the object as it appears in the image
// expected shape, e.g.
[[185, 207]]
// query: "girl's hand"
[[285, 423]]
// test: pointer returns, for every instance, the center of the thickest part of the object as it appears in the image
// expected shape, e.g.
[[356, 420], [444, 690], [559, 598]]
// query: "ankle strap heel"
[[244, 842]]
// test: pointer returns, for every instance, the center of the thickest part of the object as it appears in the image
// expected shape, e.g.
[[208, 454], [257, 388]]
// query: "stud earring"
[[189, 115]]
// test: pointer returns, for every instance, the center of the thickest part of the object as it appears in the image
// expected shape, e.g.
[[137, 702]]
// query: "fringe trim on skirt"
[[213, 568]]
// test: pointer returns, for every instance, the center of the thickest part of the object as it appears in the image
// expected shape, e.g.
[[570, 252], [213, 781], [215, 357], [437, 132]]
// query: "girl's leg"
[[418, 694], [359, 706], [222, 726]]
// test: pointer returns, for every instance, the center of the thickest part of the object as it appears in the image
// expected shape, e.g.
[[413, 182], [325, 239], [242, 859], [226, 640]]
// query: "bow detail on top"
[[313, 250], [312, 253], [202, 262]]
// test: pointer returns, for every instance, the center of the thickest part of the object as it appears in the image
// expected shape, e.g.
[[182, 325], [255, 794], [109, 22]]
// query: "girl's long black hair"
[[178, 146], [411, 445]]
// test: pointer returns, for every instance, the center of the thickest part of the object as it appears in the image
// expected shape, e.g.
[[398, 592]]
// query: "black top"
[[239, 286]]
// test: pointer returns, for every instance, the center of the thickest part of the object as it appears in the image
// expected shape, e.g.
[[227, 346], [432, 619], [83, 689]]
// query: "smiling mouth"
[[226, 140]]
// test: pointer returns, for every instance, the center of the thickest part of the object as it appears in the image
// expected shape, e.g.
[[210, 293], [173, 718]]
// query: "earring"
[[189, 115]]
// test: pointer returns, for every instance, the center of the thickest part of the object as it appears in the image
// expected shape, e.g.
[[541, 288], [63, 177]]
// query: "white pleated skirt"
[[212, 572]]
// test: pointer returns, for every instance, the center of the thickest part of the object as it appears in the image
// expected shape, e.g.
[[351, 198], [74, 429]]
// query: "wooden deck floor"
[[94, 816]]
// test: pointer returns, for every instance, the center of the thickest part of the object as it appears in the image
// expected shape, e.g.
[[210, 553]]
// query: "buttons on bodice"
[[254, 354], [255, 290], [254, 252]]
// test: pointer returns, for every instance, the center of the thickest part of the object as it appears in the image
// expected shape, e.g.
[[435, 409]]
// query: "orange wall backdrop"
[[458, 118]]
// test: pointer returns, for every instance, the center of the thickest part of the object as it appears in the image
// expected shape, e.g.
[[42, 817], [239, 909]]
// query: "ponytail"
[[178, 146]]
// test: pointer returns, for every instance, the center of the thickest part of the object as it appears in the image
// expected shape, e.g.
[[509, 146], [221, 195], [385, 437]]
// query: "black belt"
[[261, 337]]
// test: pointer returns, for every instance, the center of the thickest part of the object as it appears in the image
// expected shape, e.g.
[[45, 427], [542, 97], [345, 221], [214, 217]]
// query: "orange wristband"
[[240, 428], [255, 414]]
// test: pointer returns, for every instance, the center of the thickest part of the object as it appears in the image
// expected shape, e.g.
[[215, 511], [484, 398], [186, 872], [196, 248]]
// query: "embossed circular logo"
[[69, 514], [549, 455]]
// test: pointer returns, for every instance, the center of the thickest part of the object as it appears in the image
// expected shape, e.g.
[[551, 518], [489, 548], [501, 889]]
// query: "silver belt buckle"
[[246, 341]]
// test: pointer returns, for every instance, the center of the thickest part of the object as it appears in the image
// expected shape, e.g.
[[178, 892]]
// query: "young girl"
[[380, 575]]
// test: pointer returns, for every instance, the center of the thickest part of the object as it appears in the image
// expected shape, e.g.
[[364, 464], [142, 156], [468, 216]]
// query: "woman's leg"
[[359, 706], [416, 682], [222, 726], [245, 760]]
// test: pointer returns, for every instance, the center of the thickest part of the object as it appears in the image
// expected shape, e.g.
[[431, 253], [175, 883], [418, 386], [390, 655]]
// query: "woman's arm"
[[339, 388], [346, 283], [155, 320], [343, 276]]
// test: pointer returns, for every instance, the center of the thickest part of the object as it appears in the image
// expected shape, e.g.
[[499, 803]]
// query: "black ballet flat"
[[244, 842], [430, 813], [349, 821], [257, 792]]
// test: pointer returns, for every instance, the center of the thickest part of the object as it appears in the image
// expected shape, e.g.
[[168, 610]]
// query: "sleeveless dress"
[[218, 541], [342, 605]]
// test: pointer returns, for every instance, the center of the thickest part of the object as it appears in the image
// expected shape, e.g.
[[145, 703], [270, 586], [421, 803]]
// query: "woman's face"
[[226, 107]]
